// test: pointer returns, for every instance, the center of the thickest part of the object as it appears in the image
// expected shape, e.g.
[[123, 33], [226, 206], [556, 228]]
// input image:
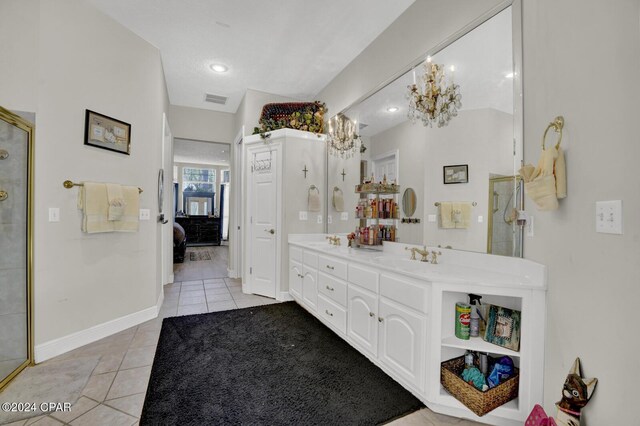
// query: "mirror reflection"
[[446, 129], [409, 202]]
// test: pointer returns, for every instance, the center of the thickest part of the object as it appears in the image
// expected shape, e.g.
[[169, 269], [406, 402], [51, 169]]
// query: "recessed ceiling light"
[[392, 109], [223, 151], [510, 75], [219, 68]]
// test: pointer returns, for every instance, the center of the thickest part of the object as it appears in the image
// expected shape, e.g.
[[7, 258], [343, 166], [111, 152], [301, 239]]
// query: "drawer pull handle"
[[4, 154], [371, 314], [4, 195], [330, 267], [330, 288], [328, 313], [380, 319]]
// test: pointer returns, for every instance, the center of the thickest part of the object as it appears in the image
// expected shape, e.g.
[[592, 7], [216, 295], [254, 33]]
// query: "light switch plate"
[[432, 218], [54, 214], [145, 214], [329, 219], [319, 218], [480, 219], [609, 217], [344, 216], [302, 215]]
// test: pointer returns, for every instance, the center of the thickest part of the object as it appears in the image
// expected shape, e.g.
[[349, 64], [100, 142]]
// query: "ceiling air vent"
[[215, 99]]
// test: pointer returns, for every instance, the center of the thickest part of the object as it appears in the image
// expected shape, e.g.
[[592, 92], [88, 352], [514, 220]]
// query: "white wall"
[[201, 124], [573, 50], [81, 59]]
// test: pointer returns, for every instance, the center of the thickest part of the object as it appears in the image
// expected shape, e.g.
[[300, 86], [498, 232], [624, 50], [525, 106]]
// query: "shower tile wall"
[[13, 249]]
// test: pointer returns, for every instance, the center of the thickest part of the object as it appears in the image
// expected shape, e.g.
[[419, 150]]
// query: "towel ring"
[[557, 124]]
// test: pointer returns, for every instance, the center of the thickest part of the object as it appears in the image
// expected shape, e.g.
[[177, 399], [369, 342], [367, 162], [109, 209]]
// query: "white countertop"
[[454, 266]]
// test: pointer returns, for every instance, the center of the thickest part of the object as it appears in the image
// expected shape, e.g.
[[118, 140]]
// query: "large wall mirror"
[[467, 166]]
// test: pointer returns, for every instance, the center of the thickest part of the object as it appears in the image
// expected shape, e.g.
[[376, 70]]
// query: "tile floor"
[[115, 392]]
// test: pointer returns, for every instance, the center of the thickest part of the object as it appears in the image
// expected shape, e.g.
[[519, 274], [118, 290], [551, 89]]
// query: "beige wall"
[[80, 59], [582, 60], [201, 124]]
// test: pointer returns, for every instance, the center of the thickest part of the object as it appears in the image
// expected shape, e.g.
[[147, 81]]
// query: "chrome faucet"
[[424, 253], [335, 240]]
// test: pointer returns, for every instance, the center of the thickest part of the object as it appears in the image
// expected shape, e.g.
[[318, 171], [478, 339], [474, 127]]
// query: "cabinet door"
[[362, 319], [401, 347], [295, 279], [310, 288]]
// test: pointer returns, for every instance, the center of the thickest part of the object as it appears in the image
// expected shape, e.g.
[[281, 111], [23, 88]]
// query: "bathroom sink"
[[402, 263]]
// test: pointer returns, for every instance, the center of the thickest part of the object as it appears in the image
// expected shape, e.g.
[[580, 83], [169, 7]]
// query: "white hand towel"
[[445, 214], [338, 199], [116, 201], [92, 200], [314, 199], [462, 214], [129, 220]]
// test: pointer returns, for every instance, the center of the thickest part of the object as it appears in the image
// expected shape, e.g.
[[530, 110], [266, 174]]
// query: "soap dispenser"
[[474, 301]]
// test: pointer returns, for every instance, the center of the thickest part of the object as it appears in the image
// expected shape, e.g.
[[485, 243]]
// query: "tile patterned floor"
[[115, 392]]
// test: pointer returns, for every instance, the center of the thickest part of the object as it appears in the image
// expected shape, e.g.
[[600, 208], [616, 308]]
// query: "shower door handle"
[[4, 195]]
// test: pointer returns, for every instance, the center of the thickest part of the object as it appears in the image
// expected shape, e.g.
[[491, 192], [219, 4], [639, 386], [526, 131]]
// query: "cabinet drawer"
[[295, 253], [363, 277], [310, 259], [332, 313], [332, 267], [404, 292], [333, 288]]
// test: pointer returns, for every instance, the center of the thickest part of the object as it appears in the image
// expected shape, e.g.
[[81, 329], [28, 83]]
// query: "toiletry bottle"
[[474, 301]]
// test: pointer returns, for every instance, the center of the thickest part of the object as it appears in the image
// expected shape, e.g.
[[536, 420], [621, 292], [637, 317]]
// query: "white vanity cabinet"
[[362, 328], [303, 277]]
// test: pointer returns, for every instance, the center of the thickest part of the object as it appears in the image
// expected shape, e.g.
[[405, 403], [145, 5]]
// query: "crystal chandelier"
[[342, 139], [433, 101]]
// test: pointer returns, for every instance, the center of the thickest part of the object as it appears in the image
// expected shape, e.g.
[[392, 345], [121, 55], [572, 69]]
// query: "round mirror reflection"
[[409, 202]]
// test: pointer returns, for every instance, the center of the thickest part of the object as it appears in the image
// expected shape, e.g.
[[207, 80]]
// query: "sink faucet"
[[434, 256], [335, 240], [424, 253]]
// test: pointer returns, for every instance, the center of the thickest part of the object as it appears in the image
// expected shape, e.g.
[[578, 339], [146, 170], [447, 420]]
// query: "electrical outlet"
[[344, 216], [54, 214], [609, 217], [319, 218], [329, 219], [145, 214], [302, 215]]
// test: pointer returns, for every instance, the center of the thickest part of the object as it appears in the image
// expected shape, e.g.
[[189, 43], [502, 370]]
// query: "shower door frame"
[[22, 124], [516, 181]]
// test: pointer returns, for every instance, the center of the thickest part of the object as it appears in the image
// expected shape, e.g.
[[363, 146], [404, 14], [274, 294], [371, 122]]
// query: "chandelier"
[[342, 139], [433, 101]]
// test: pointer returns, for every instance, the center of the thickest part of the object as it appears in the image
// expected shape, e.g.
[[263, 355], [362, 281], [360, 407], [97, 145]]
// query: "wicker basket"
[[477, 401]]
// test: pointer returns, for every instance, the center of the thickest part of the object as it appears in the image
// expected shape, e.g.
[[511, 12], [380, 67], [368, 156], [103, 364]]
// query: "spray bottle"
[[474, 301]]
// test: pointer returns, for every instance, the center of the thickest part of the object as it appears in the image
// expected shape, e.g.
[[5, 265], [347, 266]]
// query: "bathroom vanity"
[[400, 312]]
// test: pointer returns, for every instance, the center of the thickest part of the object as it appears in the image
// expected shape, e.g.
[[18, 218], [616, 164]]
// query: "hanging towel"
[[116, 201], [314, 199], [92, 200], [338, 199], [560, 172], [540, 182], [129, 220], [461, 214], [445, 214]]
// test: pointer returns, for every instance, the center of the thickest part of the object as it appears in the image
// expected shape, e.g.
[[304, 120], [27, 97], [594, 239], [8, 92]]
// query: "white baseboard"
[[232, 273], [53, 348], [160, 301], [285, 296], [172, 278]]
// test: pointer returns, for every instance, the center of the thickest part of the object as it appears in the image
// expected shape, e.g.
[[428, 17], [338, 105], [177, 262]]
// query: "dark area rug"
[[267, 365], [195, 256]]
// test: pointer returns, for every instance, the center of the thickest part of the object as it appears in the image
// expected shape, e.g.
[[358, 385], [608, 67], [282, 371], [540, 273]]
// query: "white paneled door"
[[262, 210]]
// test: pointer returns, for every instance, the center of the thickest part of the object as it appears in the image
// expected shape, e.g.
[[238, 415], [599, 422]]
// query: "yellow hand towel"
[[338, 199], [314, 199], [445, 210], [116, 201], [129, 220], [462, 214], [542, 192], [92, 200], [560, 172]]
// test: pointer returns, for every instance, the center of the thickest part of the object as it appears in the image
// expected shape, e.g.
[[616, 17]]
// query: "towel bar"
[[68, 184], [437, 204]]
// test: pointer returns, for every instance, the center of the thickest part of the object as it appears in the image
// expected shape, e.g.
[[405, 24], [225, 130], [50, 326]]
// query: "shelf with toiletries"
[[377, 210]]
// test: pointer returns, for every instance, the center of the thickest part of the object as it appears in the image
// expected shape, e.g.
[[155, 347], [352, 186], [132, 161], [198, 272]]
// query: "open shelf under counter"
[[478, 345]]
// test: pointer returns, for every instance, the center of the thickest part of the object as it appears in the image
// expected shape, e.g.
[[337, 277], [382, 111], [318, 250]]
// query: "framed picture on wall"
[[107, 133], [456, 174]]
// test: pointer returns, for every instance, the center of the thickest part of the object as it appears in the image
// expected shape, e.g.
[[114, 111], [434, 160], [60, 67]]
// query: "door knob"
[[271, 231], [4, 195]]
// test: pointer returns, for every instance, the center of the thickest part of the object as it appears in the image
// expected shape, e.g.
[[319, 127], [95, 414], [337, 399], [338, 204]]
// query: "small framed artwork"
[[503, 327], [107, 133], [456, 174]]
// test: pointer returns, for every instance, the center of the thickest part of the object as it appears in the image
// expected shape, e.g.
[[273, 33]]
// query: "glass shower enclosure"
[[16, 171]]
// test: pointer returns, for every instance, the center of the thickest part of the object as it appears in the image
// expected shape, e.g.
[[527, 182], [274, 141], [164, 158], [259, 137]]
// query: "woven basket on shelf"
[[477, 401]]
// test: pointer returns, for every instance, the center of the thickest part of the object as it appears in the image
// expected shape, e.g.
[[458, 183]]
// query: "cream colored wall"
[[85, 60], [201, 124], [582, 60]]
